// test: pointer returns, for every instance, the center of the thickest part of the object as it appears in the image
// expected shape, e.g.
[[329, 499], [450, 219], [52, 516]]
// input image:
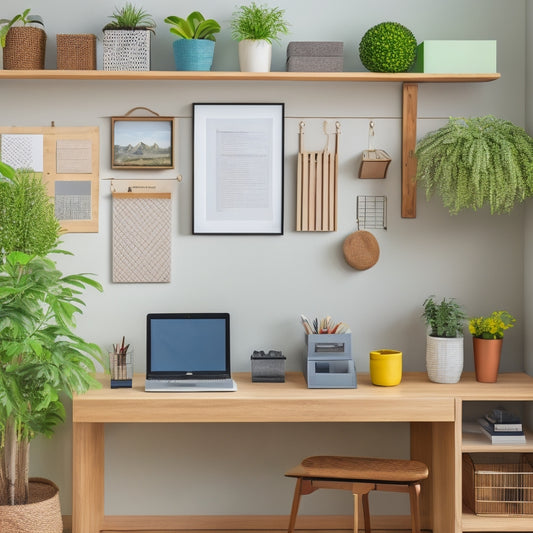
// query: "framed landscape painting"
[[142, 143]]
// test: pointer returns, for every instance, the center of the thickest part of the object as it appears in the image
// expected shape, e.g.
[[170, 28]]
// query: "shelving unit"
[[409, 81]]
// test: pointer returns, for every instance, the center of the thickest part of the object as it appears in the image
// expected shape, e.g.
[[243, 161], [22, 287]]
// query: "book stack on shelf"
[[502, 427]]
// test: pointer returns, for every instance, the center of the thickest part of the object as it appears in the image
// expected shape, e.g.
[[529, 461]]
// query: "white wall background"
[[267, 282]]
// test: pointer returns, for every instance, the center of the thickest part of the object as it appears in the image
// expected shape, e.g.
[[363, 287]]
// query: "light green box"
[[456, 57]]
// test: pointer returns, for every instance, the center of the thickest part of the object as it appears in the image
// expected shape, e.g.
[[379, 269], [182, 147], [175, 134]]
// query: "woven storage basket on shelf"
[[42, 514], [76, 51], [25, 48], [126, 49]]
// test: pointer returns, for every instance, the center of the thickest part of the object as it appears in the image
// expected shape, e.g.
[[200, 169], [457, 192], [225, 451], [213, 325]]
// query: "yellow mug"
[[386, 367]]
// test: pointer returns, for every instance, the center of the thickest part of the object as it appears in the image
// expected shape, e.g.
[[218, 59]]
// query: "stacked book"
[[502, 427]]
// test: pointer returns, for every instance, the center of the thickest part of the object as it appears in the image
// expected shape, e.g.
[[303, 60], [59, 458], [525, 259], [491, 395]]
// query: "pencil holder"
[[121, 369], [386, 367]]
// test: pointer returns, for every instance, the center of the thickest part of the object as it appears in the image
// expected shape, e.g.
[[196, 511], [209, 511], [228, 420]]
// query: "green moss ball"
[[388, 47]]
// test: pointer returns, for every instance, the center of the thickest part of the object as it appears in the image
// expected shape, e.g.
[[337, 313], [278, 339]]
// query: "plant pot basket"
[[42, 514], [25, 48], [126, 49], [76, 51]]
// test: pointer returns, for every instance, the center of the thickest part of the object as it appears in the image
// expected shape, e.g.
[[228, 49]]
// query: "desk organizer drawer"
[[498, 484]]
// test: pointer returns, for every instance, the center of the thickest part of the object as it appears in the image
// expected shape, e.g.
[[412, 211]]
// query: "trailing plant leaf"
[[473, 162], [24, 18]]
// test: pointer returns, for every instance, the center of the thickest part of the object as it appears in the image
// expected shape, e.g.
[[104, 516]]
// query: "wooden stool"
[[359, 475]]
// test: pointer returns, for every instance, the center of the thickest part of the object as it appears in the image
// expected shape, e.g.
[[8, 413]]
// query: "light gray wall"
[[267, 282]]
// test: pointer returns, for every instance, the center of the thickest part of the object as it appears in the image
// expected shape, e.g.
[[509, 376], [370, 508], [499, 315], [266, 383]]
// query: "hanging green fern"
[[472, 162]]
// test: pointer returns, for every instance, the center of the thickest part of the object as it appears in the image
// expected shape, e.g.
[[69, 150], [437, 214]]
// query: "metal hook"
[[371, 135]]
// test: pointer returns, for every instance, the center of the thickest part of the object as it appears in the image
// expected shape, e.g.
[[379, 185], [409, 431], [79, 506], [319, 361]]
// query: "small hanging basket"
[[42, 513], [25, 48]]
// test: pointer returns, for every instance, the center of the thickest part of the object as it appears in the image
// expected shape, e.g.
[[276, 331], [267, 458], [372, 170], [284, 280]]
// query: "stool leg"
[[295, 505], [414, 498], [355, 513], [366, 513]]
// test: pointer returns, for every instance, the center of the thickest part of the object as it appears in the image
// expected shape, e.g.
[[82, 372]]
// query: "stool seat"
[[360, 469], [359, 475]]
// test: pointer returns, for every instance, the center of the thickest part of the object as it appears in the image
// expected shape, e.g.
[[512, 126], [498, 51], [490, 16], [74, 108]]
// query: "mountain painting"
[[142, 143]]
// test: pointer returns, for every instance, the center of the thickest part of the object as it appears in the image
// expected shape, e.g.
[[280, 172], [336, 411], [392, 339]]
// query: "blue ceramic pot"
[[193, 54]]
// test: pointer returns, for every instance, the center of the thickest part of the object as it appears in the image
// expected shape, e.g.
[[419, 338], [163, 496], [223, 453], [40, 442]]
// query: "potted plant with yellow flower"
[[487, 332]]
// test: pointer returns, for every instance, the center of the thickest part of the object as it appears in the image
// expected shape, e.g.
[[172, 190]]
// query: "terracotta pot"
[[487, 354], [41, 514]]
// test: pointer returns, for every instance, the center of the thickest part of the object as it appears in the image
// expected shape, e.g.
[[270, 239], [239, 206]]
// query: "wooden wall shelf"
[[409, 81]]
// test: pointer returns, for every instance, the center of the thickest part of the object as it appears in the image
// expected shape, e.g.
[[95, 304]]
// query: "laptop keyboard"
[[190, 385]]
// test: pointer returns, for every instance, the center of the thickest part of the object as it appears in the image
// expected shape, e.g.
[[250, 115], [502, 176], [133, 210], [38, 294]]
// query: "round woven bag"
[[25, 48], [361, 250], [42, 513]]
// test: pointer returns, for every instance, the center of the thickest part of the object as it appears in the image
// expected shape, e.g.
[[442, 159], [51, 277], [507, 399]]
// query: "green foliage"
[[24, 18], [27, 220], [492, 326], [129, 17], [259, 22], [388, 47], [195, 26], [472, 162], [444, 319]]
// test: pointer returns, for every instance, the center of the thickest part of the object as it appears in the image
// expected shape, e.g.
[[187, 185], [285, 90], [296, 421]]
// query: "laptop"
[[188, 352]]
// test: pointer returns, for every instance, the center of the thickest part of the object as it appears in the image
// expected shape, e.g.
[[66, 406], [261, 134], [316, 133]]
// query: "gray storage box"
[[315, 56], [267, 367], [329, 362]]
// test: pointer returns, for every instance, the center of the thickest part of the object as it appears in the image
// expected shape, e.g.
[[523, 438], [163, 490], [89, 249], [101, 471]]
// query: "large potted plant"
[[196, 44], [444, 342], [472, 162], [126, 43], [255, 27], [24, 44], [41, 357], [487, 333]]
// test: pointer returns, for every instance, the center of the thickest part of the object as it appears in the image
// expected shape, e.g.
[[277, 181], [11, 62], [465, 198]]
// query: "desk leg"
[[87, 477]]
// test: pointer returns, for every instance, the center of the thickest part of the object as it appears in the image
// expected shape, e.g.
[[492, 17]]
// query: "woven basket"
[[193, 54], [42, 514], [126, 49], [76, 51], [25, 48], [444, 359]]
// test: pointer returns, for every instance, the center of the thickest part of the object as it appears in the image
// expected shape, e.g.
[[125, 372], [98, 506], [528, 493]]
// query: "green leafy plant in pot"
[[473, 162], [255, 27], [24, 44], [41, 357], [195, 47], [444, 341], [126, 43]]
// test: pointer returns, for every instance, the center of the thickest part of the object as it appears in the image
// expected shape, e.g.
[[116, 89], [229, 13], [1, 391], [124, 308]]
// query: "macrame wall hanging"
[[142, 224], [316, 188]]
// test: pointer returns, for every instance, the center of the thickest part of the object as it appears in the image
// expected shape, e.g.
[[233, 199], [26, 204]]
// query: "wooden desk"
[[431, 408]]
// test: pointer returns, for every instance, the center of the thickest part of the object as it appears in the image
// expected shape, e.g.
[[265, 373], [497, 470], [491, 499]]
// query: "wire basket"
[[126, 49], [76, 51], [498, 484]]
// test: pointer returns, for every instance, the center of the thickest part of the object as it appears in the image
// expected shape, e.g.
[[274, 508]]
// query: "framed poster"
[[142, 143], [238, 169]]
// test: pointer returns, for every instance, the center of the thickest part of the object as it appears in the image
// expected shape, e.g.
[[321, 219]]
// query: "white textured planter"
[[126, 49], [444, 359], [255, 56]]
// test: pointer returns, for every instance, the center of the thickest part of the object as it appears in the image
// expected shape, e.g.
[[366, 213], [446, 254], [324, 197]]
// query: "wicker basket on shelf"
[[25, 48], [76, 51]]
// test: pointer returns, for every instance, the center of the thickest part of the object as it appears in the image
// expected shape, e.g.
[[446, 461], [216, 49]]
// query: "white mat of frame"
[[142, 225]]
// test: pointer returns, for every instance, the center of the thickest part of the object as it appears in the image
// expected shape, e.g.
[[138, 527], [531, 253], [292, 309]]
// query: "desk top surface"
[[414, 399]]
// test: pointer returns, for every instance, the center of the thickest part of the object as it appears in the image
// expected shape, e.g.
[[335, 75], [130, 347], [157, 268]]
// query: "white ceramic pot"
[[255, 56], [444, 359]]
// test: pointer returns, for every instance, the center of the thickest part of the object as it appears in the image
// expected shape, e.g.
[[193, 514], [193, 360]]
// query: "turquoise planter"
[[193, 54]]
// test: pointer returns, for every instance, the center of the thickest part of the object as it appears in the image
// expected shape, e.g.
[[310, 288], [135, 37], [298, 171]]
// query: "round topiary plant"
[[388, 47]]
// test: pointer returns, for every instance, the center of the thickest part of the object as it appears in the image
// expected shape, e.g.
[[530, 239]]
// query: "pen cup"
[[121, 369], [386, 367]]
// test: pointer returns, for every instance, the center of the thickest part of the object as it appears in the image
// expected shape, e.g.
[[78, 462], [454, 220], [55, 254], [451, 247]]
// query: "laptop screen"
[[186, 345]]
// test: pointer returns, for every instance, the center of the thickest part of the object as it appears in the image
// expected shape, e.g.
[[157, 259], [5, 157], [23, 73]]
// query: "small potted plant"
[[126, 43], [472, 162], [41, 357], [196, 44], [23, 43], [444, 342], [388, 47], [255, 27], [487, 333]]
